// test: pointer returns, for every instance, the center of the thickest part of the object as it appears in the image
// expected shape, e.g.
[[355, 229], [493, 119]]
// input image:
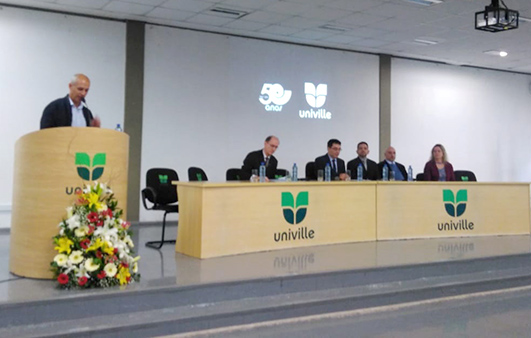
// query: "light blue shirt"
[[78, 119]]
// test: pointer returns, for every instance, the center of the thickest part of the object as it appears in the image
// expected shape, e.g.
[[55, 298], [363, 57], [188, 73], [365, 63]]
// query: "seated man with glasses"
[[265, 155], [337, 165]]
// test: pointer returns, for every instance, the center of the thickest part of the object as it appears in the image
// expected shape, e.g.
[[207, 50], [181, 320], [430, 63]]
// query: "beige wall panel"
[[248, 217], [417, 210], [44, 183]]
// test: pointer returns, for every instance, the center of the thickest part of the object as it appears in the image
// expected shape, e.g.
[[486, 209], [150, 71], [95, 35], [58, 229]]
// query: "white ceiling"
[[375, 26]]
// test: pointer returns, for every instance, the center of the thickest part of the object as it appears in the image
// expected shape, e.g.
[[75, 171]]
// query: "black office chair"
[[420, 177], [234, 174], [162, 195], [281, 173], [196, 174], [465, 175], [310, 171]]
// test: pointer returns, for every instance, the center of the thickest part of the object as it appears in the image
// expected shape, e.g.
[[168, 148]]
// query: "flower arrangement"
[[94, 244]]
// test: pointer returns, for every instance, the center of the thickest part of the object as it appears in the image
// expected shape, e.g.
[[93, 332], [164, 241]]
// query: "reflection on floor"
[[165, 268]]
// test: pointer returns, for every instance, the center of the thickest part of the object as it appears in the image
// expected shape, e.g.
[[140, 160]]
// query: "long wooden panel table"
[[451, 209], [220, 219]]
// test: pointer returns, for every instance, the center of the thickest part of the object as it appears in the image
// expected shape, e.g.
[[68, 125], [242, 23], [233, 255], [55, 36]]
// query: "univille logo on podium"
[[294, 211], [455, 206], [87, 171]]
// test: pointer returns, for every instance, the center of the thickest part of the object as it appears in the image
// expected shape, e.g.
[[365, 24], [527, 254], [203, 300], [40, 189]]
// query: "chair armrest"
[[148, 194]]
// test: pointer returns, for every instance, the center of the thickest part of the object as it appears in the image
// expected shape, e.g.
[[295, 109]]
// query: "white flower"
[[73, 222], [135, 267], [110, 235], [110, 270], [61, 259], [76, 257], [82, 272], [69, 212], [82, 231], [90, 265]]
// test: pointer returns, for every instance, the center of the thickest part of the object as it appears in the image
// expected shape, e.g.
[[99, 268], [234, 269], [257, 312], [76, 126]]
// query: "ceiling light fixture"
[[501, 53], [227, 12], [496, 19], [425, 2]]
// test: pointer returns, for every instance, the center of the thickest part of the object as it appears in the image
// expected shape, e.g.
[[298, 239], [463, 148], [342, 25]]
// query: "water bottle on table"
[[385, 173], [262, 172], [294, 173], [328, 173], [410, 174], [360, 172]]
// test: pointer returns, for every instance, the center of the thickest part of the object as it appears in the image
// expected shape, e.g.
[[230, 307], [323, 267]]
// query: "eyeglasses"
[[272, 146], [336, 148]]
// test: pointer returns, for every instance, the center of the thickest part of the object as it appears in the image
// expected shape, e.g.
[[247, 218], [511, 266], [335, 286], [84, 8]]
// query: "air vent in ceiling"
[[227, 12], [334, 28]]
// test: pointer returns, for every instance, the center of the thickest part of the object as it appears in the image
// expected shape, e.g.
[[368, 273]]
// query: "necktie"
[[267, 161], [365, 164], [334, 165]]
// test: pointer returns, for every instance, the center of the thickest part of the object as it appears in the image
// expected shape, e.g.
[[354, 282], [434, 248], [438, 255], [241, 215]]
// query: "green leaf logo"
[[294, 211], [85, 170], [163, 179], [455, 205]]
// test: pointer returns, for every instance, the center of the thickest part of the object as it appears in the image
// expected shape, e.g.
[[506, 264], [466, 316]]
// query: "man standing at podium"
[[71, 110], [265, 155]]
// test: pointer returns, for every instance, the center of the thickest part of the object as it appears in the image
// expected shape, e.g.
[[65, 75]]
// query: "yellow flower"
[[110, 270], [61, 259], [76, 257], [97, 244], [91, 266], [63, 245], [123, 275], [107, 248], [93, 200]]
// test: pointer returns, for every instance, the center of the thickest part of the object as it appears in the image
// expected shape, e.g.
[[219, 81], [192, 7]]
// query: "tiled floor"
[[166, 268]]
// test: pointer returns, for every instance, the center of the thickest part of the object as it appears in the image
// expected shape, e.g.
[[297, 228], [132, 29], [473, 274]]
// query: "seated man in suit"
[[265, 155], [337, 165], [71, 110], [398, 169], [370, 168]]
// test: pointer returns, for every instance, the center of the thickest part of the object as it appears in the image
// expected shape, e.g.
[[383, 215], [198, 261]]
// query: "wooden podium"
[[50, 165]]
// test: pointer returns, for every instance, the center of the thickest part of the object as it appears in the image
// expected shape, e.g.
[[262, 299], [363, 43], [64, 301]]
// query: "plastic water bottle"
[[294, 173], [118, 127], [385, 173], [328, 173], [410, 174], [262, 172], [360, 172]]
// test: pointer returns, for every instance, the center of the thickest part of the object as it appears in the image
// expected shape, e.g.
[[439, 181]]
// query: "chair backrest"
[[159, 179], [310, 171], [465, 175], [420, 177], [281, 173], [196, 174], [234, 174]]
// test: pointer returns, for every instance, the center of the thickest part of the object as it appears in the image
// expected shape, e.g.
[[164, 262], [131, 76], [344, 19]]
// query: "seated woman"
[[438, 168]]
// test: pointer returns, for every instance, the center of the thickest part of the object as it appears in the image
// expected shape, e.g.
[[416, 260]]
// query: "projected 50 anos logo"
[[87, 171], [273, 96], [294, 210], [455, 205]]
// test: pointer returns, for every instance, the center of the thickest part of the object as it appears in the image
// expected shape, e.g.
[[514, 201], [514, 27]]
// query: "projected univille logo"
[[316, 98], [88, 171], [294, 211], [273, 96], [455, 206]]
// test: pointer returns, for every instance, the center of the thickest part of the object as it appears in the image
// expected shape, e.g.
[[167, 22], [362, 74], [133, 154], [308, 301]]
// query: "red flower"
[[128, 278], [125, 265], [85, 243], [82, 280], [92, 217], [115, 250], [126, 225], [107, 212], [102, 274], [62, 279], [99, 224], [91, 229], [99, 254]]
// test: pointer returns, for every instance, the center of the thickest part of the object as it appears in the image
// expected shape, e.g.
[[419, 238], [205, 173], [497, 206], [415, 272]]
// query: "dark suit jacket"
[[371, 173], [320, 164], [253, 161], [59, 114], [400, 167], [431, 173]]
